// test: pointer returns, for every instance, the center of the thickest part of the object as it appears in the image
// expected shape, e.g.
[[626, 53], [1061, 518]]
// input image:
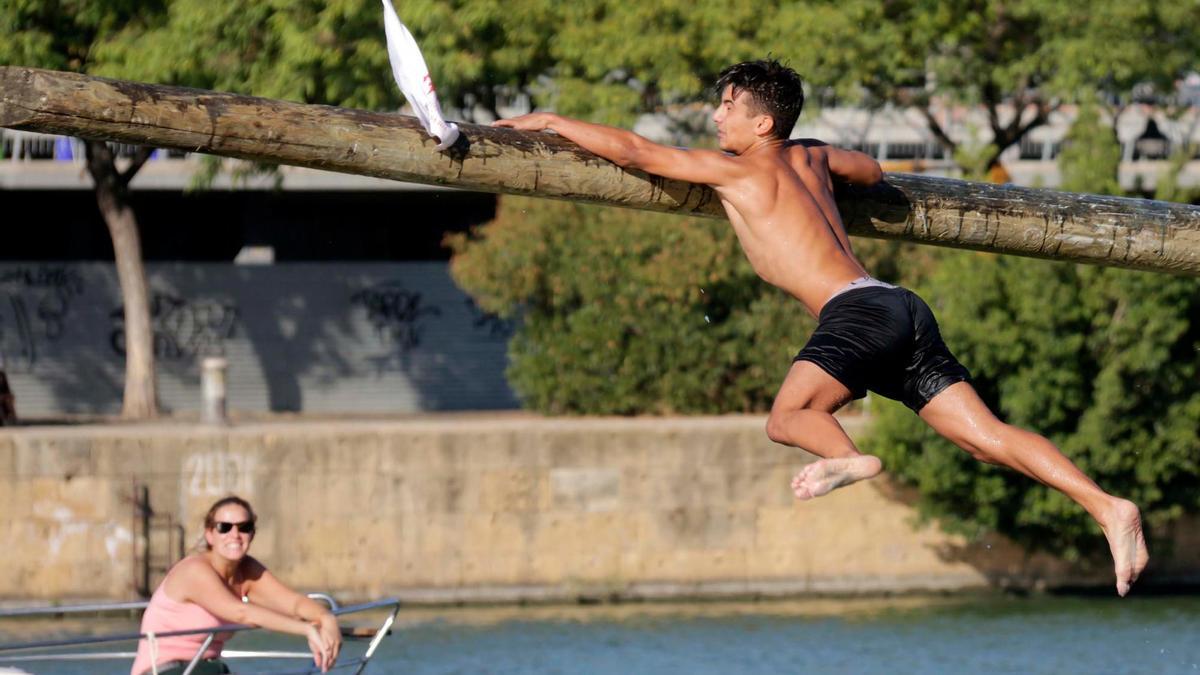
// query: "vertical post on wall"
[[141, 515], [213, 390]]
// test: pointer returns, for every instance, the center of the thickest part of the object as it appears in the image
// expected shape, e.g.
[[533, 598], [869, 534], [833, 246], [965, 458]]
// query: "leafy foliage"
[[1091, 154], [1102, 361], [1168, 187], [66, 34], [1029, 55], [627, 312], [303, 50]]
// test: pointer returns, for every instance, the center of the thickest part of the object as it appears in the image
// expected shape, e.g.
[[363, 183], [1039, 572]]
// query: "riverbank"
[[485, 509]]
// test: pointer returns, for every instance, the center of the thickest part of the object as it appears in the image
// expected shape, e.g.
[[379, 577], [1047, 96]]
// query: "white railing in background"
[[27, 146], [1032, 162]]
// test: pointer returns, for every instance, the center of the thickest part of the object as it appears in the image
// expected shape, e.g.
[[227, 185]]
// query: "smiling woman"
[[220, 585]]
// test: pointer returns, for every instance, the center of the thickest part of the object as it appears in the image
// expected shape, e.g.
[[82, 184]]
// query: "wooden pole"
[[1134, 233]]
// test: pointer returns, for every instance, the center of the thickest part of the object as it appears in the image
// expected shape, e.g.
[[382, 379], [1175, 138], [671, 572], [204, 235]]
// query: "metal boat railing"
[[9, 655]]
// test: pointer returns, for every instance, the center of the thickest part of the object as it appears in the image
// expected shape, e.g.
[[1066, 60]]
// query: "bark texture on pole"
[[1131, 233]]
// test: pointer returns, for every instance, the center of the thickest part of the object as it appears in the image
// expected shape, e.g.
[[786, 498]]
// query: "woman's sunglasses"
[[245, 527]]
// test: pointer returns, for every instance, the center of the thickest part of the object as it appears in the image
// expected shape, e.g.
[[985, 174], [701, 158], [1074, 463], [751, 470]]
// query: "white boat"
[[49, 651]]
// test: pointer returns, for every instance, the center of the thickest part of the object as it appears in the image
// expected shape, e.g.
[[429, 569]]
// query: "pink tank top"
[[164, 615]]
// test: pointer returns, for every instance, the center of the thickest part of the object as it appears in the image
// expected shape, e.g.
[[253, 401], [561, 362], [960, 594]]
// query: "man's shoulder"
[[808, 147]]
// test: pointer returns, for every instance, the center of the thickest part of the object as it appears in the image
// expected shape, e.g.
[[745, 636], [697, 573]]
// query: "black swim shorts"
[[883, 339]]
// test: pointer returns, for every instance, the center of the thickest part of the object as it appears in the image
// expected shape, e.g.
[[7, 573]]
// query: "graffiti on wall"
[[219, 473], [395, 312], [183, 328], [404, 330], [35, 303]]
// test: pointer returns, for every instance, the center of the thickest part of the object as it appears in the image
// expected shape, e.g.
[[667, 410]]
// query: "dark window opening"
[[1032, 150]]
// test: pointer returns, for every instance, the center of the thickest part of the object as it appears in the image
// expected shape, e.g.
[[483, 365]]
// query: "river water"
[[981, 634]]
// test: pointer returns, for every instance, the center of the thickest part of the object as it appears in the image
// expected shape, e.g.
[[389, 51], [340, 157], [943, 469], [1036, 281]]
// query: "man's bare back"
[[788, 224]]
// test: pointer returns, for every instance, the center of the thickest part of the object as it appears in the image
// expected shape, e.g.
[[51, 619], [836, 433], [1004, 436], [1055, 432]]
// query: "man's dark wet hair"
[[776, 90]]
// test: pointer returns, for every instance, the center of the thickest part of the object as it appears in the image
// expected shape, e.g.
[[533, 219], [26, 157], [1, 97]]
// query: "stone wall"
[[486, 508]]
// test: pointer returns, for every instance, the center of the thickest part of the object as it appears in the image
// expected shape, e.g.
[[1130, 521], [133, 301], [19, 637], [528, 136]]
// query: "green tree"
[[1003, 55], [616, 59], [484, 54], [627, 313], [1168, 187], [1091, 155], [481, 53], [300, 50], [68, 35], [1102, 361]]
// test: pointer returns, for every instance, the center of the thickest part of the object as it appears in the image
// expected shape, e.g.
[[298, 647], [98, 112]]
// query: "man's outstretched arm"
[[849, 166], [629, 150]]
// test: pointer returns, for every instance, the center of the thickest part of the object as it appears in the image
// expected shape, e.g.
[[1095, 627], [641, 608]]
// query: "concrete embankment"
[[484, 508]]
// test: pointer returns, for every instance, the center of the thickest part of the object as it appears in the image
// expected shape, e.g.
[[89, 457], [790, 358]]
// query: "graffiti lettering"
[[395, 312], [38, 301], [183, 329]]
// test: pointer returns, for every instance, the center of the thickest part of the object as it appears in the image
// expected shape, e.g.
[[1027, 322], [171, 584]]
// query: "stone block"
[[513, 490], [565, 448], [585, 489], [692, 566], [8, 455], [443, 492], [498, 533], [53, 456], [497, 569], [700, 528], [90, 497], [500, 450]]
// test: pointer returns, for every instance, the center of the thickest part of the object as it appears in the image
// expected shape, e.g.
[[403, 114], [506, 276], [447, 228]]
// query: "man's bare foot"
[[1123, 528], [826, 475]]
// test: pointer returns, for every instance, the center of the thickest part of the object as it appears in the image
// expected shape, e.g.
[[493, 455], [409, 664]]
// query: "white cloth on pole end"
[[411, 73]]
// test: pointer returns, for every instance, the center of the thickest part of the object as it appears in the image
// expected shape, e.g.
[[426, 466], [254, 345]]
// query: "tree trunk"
[[1132, 233], [141, 391]]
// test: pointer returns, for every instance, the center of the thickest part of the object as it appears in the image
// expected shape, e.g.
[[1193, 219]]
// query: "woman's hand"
[[319, 647], [327, 626]]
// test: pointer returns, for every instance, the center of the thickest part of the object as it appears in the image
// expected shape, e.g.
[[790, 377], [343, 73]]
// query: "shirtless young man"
[[869, 335]]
